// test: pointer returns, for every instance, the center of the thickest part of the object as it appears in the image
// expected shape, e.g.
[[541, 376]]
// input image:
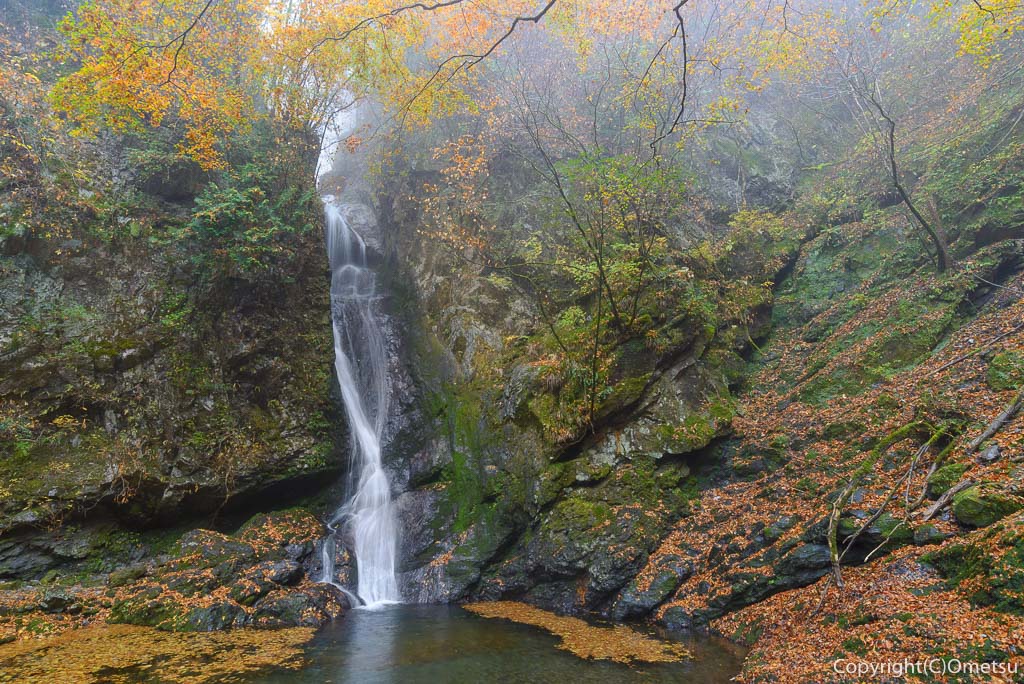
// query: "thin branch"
[[476, 59], [183, 38], [371, 20], [964, 357], [468, 61], [986, 10], [942, 251], [678, 11], [1000, 420], [180, 39]]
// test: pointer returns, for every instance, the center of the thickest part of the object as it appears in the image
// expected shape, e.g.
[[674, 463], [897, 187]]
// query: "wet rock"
[[989, 455], [805, 559], [263, 584], [466, 554], [414, 510], [928, 534], [264, 577], [274, 533], [127, 575], [677, 618], [281, 611], [248, 591], [32, 553], [204, 548], [147, 606], [311, 607], [285, 573], [221, 615], [57, 601], [774, 532], [649, 589], [425, 464], [298, 552]]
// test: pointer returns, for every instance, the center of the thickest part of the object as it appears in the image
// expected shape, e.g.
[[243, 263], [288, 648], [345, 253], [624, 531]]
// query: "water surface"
[[445, 644]]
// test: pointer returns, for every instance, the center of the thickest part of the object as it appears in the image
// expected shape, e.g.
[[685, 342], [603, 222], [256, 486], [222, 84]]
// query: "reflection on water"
[[431, 644]]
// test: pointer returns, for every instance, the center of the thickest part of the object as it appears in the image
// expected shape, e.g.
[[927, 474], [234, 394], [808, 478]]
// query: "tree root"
[[844, 496]]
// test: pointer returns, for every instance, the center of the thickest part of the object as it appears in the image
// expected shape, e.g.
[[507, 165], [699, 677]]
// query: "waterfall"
[[361, 364]]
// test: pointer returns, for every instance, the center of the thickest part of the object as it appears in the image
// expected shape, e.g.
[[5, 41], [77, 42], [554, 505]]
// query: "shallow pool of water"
[[445, 644]]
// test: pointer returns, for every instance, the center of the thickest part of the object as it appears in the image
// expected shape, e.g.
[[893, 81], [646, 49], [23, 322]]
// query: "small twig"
[[1002, 287], [885, 541], [824, 595], [939, 460], [913, 463]]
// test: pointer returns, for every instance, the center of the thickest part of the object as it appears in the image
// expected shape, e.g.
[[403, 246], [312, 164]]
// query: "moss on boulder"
[[981, 506], [945, 477], [1006, 371], [216, 581], [988, 566]]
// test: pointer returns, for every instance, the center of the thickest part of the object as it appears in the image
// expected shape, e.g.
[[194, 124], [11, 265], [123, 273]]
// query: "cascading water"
[[361, 364]]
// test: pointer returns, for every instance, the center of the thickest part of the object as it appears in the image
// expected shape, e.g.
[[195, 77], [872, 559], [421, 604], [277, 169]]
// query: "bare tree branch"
[[934, 231], [363, 23], [678, 11], [179, 39]]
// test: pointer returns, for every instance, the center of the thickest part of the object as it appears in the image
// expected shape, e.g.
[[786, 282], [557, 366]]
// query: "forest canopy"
[[662, 71], [580, 151]]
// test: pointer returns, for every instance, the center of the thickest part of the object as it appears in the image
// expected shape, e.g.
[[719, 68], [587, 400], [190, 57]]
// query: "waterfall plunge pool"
[[431, 644]]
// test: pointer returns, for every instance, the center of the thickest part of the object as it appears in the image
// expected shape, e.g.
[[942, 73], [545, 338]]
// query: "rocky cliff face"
[[702, 488], [499, 498], [139, 391]]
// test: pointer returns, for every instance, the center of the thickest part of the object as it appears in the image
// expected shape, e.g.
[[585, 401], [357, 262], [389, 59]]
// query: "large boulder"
[[988, 566], [982, 505], [215, 581]]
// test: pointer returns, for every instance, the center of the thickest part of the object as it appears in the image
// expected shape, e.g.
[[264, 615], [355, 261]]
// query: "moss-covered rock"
[[652, 586], [981, 505], [988, 566], [138, 385], [928, 534], [1006, 371], [891, 531], [945, 477], [215, 581]]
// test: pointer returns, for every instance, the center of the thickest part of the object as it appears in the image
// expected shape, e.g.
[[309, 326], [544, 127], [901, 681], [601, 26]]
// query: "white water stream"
[[366, 521], [361, 364]]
